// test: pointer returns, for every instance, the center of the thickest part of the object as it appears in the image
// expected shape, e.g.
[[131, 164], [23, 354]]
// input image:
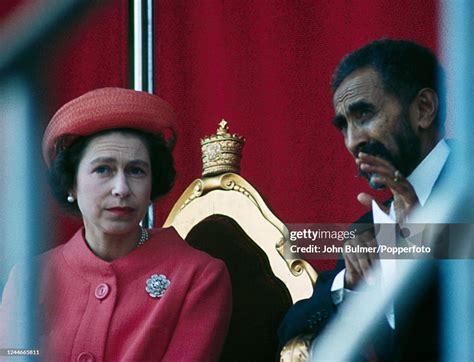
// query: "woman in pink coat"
[[116, 291]]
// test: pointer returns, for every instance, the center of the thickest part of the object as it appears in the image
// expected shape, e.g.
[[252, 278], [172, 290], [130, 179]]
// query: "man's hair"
[[404, 67]]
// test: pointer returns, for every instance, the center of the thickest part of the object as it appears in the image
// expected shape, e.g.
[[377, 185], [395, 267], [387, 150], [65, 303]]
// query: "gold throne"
[[223, 215]]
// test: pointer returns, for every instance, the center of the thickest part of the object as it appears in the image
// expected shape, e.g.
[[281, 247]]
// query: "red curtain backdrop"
[[265, 66]]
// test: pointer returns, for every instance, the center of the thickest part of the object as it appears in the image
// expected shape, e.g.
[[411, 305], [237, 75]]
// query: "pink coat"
[[100, 311]]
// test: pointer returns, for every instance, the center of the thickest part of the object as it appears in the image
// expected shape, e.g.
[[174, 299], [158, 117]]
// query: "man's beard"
[[409, 150]]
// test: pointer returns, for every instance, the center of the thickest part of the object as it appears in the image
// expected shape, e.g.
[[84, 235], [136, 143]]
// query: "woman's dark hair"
[[63, 171]]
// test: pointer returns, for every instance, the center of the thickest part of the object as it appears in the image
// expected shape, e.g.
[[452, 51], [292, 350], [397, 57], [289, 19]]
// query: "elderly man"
[[388, 108]]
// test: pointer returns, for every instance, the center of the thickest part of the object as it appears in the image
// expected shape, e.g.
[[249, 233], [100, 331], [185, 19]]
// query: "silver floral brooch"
[[156, 286]]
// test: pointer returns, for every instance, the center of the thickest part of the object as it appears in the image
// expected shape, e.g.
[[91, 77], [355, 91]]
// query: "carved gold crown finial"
[[221, 152]]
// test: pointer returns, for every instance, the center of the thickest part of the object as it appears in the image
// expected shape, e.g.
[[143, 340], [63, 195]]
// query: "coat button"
[[86, 357], [102, 291]]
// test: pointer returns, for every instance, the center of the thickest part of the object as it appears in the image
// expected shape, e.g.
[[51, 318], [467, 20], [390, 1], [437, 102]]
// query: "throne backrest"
[[225, 216]]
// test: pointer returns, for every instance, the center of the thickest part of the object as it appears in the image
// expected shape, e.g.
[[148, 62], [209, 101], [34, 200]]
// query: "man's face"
[[373, 121]]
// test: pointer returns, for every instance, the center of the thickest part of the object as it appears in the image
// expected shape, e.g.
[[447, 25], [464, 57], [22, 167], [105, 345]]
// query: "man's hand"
[[404, 196], [359, 265]]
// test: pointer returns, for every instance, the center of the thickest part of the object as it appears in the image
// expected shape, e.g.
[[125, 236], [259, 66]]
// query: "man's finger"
[[373, 160], [353, 273], [366, 200]]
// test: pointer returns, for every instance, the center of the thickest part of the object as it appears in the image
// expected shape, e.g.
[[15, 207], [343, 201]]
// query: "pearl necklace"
[[144, 236]]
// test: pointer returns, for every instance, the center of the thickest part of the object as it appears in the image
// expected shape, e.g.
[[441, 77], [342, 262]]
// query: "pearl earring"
[[71, 199]]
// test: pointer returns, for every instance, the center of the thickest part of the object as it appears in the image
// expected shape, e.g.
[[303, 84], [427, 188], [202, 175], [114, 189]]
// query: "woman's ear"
[[426, 108]]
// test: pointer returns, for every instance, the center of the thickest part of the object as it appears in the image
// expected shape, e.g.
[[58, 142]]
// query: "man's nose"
[[120, 187], [356, 138]]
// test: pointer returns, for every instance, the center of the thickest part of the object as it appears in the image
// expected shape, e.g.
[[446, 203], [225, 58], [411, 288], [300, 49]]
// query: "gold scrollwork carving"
[[298, 266], [280, 244], [230, 182], [198, 189], [227, 184]]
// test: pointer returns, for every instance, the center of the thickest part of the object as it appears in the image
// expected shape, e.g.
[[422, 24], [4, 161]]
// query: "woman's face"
[[113, 183]]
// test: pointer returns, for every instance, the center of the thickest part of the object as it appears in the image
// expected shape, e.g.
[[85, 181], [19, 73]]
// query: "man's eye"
[[363, 115]]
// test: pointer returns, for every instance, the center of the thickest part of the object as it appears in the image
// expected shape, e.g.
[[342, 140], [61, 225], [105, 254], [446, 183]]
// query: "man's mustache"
[[374, 148]]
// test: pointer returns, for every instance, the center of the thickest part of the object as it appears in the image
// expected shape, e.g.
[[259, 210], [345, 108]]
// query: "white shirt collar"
[[427, 172]]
